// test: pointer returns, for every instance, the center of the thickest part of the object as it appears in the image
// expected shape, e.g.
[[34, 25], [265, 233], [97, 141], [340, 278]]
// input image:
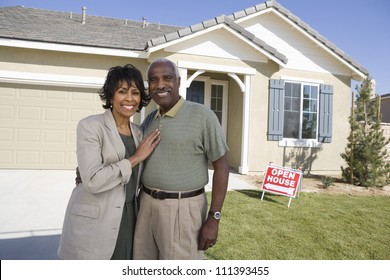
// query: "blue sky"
[[358, 27]]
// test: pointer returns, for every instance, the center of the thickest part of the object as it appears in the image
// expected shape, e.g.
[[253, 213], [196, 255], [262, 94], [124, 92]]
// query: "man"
[[172, 222]]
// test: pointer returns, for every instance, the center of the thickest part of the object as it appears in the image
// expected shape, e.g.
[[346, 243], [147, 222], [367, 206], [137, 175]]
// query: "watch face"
[[216, 215]]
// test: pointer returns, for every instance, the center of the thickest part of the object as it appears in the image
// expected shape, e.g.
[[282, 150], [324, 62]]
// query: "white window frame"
[[305, 143], [225, 95]]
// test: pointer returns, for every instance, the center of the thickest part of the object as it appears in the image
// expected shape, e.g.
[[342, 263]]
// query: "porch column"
[[243, 168], [183, 82]]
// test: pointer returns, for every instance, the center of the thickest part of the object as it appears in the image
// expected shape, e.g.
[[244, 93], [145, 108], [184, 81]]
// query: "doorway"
[[213, 94]]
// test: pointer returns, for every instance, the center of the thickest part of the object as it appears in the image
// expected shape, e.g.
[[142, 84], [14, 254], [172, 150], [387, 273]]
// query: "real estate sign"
[[282, 181]]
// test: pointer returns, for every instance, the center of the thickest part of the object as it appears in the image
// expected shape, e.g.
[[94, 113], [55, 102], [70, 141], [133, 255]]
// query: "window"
[[217, 101], [300, 113]]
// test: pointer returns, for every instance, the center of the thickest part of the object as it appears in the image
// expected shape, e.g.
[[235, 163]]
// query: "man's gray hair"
[[164, 60]]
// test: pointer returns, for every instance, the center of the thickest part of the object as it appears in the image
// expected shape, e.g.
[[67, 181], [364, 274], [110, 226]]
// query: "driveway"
[[32, 208]]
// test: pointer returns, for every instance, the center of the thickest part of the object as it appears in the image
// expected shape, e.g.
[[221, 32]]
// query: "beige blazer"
[[94, 211]]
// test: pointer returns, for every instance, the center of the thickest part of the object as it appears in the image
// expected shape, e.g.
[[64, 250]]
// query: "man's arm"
[[209, 231]]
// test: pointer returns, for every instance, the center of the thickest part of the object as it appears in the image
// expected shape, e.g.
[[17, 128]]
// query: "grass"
[[315, 227]]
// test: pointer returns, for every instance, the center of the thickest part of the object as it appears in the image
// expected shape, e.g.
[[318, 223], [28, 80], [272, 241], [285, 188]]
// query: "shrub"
[[327, 182]]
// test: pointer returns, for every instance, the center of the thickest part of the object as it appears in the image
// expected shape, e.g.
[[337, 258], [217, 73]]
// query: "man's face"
[[163, 85]]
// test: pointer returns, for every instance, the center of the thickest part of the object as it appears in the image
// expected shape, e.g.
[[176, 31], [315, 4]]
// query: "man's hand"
[[208, 234], [209, 230]]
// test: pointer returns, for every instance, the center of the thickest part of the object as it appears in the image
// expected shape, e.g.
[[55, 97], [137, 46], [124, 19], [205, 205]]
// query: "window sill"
[[300, 143]]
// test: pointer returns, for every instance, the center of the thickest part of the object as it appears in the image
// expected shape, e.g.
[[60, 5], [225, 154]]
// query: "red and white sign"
[[281, 181]]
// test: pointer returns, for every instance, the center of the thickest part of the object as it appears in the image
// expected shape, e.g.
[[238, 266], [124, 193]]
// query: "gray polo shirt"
[[191, 135]]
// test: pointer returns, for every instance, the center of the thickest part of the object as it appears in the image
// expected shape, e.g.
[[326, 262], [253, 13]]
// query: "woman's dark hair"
[[115, 76]]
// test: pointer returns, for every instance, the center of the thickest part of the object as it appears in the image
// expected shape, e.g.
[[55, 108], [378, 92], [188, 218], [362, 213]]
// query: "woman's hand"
[[145, 148]]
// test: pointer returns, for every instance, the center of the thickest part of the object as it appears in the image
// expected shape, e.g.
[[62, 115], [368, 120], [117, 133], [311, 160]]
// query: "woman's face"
[[126, 100]]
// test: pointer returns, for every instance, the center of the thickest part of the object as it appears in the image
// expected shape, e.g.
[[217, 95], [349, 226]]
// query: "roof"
[[316, 35], [23, 23], [229, 20], [385, 96], [214, 22]]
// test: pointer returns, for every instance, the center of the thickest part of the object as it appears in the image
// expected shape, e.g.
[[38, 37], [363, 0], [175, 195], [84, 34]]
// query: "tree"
[[365, 155]]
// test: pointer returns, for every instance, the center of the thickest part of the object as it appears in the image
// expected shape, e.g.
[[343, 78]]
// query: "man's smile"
[[162, 93]]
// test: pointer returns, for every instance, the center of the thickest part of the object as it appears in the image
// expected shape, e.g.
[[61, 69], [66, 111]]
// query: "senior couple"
[[142, 192]]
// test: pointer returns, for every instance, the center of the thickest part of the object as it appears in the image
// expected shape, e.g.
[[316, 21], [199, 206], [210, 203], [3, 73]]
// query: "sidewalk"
[[32, 208]]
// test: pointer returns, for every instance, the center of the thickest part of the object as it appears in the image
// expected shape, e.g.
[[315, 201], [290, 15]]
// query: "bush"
[[327, 182]]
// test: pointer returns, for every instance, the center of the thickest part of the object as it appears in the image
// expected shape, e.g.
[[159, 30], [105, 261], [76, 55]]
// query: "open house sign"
[[282, 181]]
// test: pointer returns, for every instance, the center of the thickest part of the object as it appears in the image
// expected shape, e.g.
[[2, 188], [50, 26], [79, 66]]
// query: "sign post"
[[281, 180]]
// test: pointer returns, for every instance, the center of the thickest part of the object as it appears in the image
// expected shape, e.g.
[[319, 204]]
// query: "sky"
[[358, 27]]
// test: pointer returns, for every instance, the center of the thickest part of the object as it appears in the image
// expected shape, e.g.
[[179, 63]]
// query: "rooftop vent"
[[84, 14], [144, 23]]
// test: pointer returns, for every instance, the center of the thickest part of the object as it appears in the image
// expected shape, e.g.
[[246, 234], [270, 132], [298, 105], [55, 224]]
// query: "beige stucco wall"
[[64, 63], [315, 160], [235, 115], [40, 111], [386, 133]]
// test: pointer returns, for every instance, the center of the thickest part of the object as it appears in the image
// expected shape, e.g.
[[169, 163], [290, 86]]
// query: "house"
[[281, 91]]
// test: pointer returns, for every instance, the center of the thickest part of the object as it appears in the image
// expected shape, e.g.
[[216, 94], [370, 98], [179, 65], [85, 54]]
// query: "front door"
[[195, 92], [211, 93]]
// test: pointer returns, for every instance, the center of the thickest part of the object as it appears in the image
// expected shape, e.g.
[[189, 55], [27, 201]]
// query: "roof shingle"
[[65, 28]]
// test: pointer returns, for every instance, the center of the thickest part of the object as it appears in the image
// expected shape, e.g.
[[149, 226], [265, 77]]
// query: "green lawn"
[[315, 227]]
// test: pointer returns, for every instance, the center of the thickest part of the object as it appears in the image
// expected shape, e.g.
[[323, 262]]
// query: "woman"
[[100, 217]]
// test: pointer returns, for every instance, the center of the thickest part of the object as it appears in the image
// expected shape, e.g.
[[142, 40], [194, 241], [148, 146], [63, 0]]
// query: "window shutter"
[[325, 114], [275, 110]]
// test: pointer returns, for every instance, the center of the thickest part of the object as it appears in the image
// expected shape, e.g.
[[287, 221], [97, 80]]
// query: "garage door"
[[38, 124]]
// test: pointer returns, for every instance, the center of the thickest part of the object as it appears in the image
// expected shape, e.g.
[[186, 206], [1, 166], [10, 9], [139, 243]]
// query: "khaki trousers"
[[168, 229]]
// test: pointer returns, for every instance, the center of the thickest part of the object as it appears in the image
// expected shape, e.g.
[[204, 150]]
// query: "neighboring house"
[[281, 91], [385, 114], [385, 107]]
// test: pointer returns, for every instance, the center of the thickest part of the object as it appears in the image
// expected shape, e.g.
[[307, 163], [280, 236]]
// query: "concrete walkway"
[[32, 208]]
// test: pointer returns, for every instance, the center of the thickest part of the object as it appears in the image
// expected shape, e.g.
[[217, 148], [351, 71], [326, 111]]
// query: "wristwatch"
[[216, 215]]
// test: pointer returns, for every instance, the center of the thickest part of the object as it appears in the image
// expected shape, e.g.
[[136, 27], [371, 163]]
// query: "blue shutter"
[[275, 110], [325, 114]]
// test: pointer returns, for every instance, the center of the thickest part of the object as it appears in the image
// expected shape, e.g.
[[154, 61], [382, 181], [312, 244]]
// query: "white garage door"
[[38, 124]]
